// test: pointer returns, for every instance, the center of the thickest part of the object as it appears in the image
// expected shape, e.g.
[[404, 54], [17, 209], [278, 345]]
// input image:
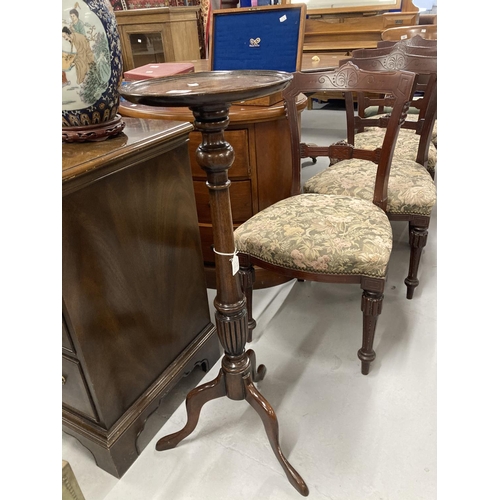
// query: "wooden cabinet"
[[135, 307], [164, 34], [260, 175], [347, 28]]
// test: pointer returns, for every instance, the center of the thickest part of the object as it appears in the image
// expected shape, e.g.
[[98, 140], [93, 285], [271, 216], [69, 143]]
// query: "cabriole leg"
[[270, 421]]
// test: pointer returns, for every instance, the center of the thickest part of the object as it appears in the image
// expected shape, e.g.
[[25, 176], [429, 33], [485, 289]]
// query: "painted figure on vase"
[[76, 23], [91, 62], [84, 55]]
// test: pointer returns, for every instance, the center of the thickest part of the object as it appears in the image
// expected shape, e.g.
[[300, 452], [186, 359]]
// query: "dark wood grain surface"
[[134, 289]]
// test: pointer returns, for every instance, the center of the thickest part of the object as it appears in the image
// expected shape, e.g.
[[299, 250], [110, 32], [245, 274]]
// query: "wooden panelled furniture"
[[348, 28], [135, 309], [164, 34], [260, 175]]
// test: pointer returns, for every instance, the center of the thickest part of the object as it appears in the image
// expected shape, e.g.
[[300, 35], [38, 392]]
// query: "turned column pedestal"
[[209, 95]]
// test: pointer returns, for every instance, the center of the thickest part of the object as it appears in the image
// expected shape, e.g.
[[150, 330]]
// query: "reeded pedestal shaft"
[[238, 368]]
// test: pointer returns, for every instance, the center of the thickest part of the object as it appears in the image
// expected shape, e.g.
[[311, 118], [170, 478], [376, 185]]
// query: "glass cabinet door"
[[144, 44], [158, 35], [146, 48]]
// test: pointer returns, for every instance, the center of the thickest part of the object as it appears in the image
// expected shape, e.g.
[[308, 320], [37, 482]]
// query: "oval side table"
[[209, 96]]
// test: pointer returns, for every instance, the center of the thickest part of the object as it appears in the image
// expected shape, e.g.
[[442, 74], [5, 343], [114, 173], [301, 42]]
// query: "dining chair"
[[411, 189], [415, 45], [418, 137], [334, 238]]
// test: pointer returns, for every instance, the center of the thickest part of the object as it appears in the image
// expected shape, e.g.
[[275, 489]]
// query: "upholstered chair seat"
[[410, 191], [322, 234], [406, 145], [412, 116]]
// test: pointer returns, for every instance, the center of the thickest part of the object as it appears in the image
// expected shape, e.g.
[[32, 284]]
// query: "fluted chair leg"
[[418, 240], [371, 305]]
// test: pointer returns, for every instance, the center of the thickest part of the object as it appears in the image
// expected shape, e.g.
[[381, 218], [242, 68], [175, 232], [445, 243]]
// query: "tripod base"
[[220, 387]]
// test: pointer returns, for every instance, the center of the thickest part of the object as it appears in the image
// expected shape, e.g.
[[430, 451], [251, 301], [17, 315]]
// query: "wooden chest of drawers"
[[135, 309]]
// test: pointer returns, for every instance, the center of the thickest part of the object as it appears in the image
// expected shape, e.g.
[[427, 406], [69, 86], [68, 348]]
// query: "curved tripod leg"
[[194, 402], [258, 372], [268, 417]]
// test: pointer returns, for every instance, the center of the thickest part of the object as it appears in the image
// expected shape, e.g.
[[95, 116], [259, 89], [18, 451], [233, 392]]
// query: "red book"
[[157, 70]]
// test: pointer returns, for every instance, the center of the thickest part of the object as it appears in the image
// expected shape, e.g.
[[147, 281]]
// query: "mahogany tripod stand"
[[209, 95]]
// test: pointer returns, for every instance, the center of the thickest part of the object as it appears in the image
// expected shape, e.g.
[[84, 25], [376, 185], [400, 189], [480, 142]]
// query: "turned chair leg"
[[247, 278], [371, 305], [418, 240]]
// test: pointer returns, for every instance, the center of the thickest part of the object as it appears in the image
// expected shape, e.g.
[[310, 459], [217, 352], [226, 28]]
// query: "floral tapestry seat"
[[406, 145], [412, 117], [327, 234], [411, 196], [411, 190]]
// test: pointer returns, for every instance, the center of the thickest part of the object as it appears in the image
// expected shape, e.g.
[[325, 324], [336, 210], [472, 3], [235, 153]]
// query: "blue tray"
[[260, 38]]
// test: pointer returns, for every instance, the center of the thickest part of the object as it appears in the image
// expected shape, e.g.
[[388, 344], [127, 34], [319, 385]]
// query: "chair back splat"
[[415, 41], [348, 78], [399, 57], [428, 32], [382, 51]]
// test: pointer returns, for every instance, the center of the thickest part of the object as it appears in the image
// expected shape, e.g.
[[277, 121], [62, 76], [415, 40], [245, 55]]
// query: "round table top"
[[239, 113], [205, 88]]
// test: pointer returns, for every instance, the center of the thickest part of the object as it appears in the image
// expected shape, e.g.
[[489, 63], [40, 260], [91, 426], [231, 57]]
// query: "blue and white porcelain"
[[91, 63]]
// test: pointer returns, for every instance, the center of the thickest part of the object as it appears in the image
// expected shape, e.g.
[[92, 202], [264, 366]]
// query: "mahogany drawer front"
[[74, 389], [66, 340], [238, 140], [241, 201]]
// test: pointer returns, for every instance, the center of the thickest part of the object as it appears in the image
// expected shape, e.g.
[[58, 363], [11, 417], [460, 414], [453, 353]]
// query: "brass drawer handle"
[[63, 380]]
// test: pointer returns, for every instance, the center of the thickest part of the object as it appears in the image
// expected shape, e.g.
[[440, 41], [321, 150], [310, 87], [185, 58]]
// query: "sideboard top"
[[138, 137]]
